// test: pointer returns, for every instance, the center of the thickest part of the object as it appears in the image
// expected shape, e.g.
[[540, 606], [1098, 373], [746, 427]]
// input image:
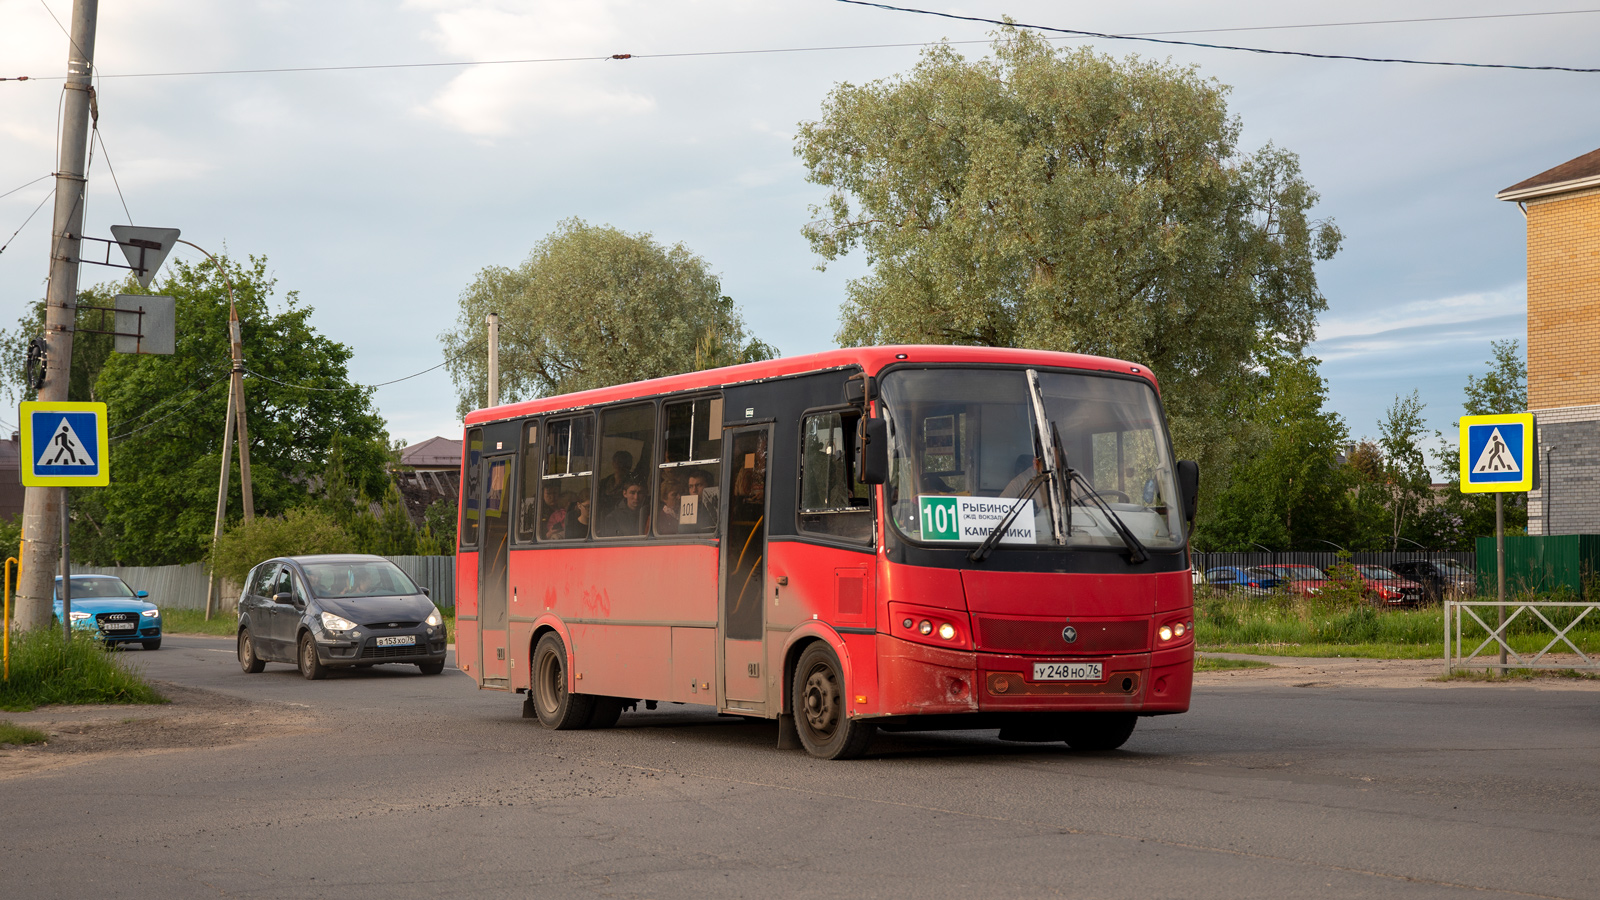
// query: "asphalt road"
[[391, 784]]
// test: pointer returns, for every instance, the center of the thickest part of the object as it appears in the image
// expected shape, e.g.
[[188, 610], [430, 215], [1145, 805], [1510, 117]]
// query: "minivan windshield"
[[963, 444], [361, 578]]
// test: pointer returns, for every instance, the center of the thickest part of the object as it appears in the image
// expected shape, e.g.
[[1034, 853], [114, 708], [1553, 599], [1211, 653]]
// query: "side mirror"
[[425, 592], [860, 389], [872, 456], [1188, 472], [141, 594], [283, 597]]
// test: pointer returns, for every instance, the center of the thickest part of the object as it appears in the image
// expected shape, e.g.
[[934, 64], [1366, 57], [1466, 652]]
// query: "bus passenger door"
[[742, 619], [494, 505]]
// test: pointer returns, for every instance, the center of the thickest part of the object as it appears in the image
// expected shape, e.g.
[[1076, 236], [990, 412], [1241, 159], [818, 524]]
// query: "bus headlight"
[[947, 631], [1165, 632], [925, 627]]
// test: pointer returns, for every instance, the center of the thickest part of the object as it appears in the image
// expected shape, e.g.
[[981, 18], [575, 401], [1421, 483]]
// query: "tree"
[[166, 416], [1504, 388], [1407, 483], [1063, 200], [1284, 488], [298, 532], [593, 306]]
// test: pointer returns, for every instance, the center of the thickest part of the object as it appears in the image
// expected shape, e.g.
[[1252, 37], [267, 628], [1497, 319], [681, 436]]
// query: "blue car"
[[105, 606], [1250, 579]]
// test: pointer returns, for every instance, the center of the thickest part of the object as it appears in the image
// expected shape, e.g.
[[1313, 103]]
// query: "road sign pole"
[[1500, 571], [66, 571], [39, 508]]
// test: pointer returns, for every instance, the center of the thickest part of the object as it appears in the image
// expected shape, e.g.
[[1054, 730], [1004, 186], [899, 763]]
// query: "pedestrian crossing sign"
[[64, 445], [1497, 453]]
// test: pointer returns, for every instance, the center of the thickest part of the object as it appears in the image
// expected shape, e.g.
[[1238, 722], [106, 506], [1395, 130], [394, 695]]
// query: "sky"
[[379, 194]]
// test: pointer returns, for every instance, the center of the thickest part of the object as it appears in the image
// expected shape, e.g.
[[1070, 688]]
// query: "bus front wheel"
[[556, 707], [817, 698]]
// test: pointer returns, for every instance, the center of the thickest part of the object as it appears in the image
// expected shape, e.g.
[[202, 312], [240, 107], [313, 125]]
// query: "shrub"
[[298, 532], [47, 668]]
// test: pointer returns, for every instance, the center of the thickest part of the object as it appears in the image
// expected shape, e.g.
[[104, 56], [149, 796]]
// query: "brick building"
[[1562, 206]]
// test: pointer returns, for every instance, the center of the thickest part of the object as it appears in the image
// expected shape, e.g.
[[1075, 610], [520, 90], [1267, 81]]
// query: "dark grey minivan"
[[322, 612]]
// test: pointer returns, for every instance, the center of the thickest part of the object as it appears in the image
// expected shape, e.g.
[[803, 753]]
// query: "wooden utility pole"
[[42, 509]]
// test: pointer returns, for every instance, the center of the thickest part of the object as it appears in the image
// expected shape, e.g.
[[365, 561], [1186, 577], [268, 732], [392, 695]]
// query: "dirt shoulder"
[[1324, 672], [193, 720]]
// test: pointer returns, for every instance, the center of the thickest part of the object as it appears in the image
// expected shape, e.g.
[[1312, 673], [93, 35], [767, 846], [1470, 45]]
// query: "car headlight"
[[337, 623], [151, 613], [434, 619], [78, 616]]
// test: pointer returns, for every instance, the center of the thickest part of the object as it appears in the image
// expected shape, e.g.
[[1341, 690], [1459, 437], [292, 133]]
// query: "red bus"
[[898, 538]]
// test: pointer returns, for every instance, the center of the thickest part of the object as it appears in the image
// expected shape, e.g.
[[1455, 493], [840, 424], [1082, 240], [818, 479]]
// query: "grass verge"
[[46, 668], [1216, 664], [18, 734], [1520, 675], [1283, 625]]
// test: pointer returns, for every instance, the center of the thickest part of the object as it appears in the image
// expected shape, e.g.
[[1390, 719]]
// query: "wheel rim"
[[244, 648], [307, 655], [821, 701], [552, 683]]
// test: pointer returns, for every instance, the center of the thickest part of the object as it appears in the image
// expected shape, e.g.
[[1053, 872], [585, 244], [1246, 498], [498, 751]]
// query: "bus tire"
[[1100, 730], [817, 698], [556, 707], [606, 712]]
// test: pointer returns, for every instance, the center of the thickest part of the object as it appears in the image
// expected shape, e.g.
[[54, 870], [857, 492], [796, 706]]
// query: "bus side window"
[[627, 443], [832, 502], [686, 480], [565, 503], [528, 488], [470, 515]]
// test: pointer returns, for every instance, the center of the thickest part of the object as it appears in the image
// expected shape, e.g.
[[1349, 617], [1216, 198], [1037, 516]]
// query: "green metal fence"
[[1541, 563]]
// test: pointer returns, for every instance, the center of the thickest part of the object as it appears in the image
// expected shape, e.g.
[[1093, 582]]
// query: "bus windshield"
[[963, 444]]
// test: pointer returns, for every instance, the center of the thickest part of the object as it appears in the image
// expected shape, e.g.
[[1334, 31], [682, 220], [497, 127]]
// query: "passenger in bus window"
[[578, 518], [552, 507], [612, 485], [697, 484], [672, 491], [631, 516]]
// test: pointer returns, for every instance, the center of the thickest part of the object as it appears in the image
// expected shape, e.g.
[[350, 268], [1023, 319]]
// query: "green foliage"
[[395, 535], [1345, 586], [17, 735], [1063, 200], [1217, 664], [1282, 489], [1504, 388], [167, 415], [440, 520], [593, 306], [89, 350], [194, 621], [301, 531], [46, 668]]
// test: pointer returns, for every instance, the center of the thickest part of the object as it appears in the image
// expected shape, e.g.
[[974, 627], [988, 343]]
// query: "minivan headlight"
[[434, 619], [336, 623]]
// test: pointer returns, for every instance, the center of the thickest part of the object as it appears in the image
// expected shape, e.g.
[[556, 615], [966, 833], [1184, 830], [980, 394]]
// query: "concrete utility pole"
[[42, 507], [493, 321]]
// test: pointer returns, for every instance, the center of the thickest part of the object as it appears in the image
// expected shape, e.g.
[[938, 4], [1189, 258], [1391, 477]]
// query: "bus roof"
[[870, 359]]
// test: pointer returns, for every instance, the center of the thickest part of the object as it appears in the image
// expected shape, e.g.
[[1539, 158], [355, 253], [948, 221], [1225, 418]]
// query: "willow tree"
[[593, 306], [1065, 200]]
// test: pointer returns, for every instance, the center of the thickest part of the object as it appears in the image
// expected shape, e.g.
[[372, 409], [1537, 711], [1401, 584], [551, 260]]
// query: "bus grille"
[[1045, 636]]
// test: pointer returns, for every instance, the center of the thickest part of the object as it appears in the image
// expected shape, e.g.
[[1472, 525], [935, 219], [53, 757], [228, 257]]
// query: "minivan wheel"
[[248, 660], [431, 668], [310, 666]]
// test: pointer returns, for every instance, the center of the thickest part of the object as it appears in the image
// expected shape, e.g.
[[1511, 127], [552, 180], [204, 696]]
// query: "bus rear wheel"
[[1100, 730], [556, 707], [817, 699]]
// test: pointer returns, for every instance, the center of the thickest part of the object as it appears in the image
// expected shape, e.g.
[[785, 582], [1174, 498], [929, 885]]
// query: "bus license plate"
[[1066, 671], [398, 640], [117, 626]]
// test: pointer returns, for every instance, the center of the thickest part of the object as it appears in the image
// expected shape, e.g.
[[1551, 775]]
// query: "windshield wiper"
[[1136, 550], [982, 551]]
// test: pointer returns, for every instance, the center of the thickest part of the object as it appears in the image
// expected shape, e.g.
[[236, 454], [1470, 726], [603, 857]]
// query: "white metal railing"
[[1456, 611]]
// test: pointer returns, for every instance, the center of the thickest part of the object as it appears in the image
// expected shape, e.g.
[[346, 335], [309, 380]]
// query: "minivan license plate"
[[398, 640], [1066, 671]]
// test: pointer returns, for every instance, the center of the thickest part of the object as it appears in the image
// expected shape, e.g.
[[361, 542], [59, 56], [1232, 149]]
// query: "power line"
[[107, 154], [1137, 35], [29, 184], [190, 402], [1156, 40], [27, 220]]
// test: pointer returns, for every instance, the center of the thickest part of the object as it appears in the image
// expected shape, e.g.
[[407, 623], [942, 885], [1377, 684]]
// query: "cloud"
[[496, 100]]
